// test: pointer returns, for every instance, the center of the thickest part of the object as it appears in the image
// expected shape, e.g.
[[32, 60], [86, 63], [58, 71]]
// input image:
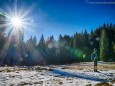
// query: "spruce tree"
[[114, 48], [34, 41], [113, 51], [60, 41], [41, 43], [104, 46]]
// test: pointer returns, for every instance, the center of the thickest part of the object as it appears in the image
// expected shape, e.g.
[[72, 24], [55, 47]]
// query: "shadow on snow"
[[79, 75]]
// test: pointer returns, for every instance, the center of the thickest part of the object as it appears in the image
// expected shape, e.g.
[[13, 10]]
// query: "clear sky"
[[54, 17]]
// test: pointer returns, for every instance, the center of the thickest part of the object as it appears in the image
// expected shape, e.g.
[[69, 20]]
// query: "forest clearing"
[[77, 74]]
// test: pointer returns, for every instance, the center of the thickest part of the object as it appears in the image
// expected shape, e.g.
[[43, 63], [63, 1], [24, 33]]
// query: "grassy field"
[[89, 66], [77, 74]]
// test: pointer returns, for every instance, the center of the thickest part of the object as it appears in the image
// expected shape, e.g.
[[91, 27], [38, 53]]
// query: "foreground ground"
[[78, 74]]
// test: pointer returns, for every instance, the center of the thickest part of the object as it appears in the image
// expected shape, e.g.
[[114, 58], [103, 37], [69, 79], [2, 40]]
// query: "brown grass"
[[103, 84], [89, 66]]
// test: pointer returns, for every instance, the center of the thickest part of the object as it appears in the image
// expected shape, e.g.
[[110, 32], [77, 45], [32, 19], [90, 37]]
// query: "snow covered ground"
[[63, 75]]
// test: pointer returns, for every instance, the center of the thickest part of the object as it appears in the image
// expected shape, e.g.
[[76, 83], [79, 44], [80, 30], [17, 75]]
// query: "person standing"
[[94, 58]]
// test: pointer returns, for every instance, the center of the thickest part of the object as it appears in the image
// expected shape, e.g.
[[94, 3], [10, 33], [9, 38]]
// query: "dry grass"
[[12, 69], [103, 84], [89, 66]]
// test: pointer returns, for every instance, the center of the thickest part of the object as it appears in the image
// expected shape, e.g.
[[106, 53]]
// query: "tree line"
[[67, 49]]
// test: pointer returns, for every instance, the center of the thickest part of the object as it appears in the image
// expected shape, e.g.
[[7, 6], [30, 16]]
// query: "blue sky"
[[54, 17]]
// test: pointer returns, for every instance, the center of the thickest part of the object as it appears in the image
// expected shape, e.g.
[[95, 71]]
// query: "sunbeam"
[[16, 19]]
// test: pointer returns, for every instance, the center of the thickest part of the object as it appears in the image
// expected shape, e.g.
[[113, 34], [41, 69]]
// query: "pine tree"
[[114, 47], [21, 46], [41, 43], [52, 41], [2, 37], [60, 41], [85, 38], [67, 40], [104, 46], [34, 41], [78, 41], [113, 51], [104, 26], [92, 32], [2, 30]]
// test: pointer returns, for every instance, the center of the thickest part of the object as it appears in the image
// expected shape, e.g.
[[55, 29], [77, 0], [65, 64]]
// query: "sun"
[[18, 18], [16, 22]]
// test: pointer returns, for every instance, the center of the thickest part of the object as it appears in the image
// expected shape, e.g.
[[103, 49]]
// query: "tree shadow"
[[79, 75]]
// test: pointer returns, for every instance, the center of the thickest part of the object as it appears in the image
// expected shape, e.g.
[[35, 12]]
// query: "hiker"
[[94, 59]]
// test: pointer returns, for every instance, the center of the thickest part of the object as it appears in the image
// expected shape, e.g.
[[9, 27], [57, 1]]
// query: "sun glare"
[[16, 22], [18, 18]]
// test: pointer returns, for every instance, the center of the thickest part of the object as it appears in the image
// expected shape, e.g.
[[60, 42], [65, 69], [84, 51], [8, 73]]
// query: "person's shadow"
[[106, 74], [81, 75]]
